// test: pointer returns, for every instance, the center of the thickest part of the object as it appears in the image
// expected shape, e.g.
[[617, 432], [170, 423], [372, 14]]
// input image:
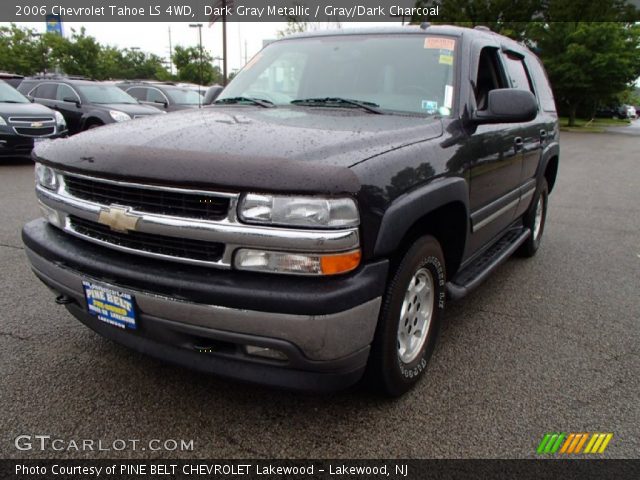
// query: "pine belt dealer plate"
[[110, 306]]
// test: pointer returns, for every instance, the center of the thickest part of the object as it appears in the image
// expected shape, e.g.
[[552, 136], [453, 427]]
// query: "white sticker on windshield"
[[448, 96], [430, 106]]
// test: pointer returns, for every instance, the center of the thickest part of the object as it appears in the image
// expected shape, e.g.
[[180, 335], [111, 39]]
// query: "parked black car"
[[309, 226], [165, 95], [212, 93], [23, 123], [613, 111], [85, 104], [12, 79]]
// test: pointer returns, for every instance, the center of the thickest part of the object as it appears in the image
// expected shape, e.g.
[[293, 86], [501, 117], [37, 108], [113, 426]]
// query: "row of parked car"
[[44, 107], [623, 112]]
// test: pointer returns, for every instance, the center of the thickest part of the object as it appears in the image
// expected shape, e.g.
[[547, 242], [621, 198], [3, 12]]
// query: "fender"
[[408, 208], [98, 114], [550, 151]]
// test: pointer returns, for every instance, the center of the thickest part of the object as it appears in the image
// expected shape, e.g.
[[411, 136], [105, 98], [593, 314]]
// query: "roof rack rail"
[[484, 28], [45, 76]]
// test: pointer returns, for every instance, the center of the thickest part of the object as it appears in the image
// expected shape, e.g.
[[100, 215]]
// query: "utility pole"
[[224, 42], [43, 58], [170, 54], [199, 27]]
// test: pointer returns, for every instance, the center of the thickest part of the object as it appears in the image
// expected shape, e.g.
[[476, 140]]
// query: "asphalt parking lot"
[[548, 344]]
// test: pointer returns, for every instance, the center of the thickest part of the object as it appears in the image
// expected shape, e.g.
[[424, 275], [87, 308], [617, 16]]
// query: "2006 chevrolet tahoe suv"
[[309, 227]]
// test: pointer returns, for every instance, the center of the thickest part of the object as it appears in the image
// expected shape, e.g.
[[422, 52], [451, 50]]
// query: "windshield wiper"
[[256, 101], [310, 102], [10, 101]]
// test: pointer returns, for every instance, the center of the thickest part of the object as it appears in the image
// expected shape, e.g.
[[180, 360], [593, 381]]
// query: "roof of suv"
[[451, 30], [61, 79]]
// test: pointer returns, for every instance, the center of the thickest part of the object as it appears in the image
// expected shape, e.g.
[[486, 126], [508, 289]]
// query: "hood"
[[130, 108], [277, 149], [24, 109]]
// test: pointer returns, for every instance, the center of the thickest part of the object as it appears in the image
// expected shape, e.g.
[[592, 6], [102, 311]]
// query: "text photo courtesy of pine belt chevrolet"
[[23, 124], [307, 230], [85, 104]]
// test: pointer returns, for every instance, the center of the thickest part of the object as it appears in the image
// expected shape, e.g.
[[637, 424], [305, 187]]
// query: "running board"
[[473, 275]]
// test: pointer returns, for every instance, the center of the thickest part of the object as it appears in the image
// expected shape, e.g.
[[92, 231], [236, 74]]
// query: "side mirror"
[[72, 100], [508, 105], [164, 103]]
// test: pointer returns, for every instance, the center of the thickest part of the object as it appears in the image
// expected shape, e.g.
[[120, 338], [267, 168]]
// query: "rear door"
[[533, 133], [45, 94]]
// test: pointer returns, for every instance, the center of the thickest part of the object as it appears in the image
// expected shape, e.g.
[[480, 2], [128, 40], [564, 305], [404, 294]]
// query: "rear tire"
[[409, 319], [535, 219]]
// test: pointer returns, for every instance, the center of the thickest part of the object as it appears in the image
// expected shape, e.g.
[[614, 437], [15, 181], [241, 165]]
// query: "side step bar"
[[474, 274]]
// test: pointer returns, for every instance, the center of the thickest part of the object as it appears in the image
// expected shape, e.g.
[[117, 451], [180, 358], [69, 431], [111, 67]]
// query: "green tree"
[[194, 68], [589, 63], [20, 51]]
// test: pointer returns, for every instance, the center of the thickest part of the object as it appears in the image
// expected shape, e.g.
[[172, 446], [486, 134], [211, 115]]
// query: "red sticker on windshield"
[[441, 43]]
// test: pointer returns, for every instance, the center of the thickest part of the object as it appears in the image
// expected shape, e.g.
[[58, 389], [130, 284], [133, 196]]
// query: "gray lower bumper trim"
[[319, 337]]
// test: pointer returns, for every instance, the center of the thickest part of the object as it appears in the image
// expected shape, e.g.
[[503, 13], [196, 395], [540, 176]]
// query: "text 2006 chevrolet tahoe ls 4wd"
[[307, 228]]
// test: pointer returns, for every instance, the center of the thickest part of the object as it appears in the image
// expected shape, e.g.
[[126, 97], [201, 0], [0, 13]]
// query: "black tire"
[[531, 245], [387, 372]]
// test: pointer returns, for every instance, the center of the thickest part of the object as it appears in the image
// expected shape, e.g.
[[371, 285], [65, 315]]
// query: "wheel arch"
[[439, 209], [92, 118]]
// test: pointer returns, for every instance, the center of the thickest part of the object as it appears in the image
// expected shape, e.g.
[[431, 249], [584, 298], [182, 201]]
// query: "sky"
[[153, 37]]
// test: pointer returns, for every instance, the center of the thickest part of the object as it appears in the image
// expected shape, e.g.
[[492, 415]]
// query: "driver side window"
[[64, 91], [490, 76]]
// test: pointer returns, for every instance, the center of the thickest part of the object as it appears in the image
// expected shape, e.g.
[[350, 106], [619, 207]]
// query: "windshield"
[[105, 94], [184, 96], [8, 94], [401, 73]]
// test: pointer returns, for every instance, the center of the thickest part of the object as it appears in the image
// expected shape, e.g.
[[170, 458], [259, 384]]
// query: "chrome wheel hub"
[[537, 224], [415, 315]]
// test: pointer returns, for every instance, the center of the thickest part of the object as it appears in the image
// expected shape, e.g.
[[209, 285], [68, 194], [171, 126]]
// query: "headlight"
[[299, 211], [296, 263], [46, 177], [3, 122], [119, 116], [60, 121]]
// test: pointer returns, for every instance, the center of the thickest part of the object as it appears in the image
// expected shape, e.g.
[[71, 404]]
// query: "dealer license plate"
[[110, 306]]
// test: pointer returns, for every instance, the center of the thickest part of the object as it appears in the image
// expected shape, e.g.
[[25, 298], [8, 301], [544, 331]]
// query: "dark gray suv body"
[[308, 228]]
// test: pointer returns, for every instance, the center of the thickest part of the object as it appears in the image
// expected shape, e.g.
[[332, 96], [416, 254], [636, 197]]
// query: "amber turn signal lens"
[[341, 263]]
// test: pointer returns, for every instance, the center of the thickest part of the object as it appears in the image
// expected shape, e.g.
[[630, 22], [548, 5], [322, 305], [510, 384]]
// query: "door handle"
[[543, 135], [518, 143]]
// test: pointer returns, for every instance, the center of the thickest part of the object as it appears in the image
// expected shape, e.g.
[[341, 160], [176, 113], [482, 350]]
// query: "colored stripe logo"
[[574, 443]]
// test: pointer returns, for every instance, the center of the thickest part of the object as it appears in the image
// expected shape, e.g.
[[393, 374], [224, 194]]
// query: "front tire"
[[409, 319]]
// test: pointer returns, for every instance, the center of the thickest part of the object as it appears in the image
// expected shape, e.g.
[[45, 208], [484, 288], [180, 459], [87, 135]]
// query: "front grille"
[[144, 242], [35, 132], [30, 119], [148, 200]]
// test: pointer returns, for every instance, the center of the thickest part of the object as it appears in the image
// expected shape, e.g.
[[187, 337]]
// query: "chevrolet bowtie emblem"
[[36, 124], [118, 219]]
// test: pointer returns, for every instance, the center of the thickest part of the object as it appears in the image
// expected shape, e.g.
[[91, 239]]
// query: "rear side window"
[[45, 90], [545, 94], [138, 93], [518, 73]]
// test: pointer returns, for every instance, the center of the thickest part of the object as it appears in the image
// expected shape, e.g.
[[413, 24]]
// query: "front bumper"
[[13, 145], [324, 326]]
